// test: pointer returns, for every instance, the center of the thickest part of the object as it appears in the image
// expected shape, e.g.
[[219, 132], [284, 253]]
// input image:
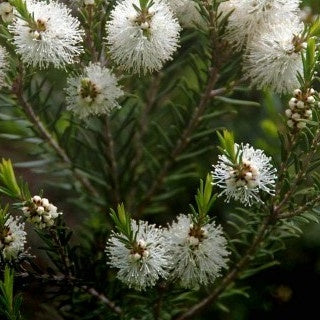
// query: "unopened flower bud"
[[301, 125], [293, 102], [288, 113], [290, 123], [311, 99], [300, 104], [297, 92], [144, 25], [193, 241], [296, 116]]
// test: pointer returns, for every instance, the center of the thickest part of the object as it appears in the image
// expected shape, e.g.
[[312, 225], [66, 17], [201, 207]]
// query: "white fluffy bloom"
[[53, 38], [243, 180], [273, 58], [198, 254], [251, 16], [94, 92], [6, 12], [3, 65], [141, 265], [12, 238], [40, 212], [187, 12], [142, 41]]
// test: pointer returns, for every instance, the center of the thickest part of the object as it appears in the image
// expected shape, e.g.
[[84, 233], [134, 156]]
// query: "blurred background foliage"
[[285, 291]]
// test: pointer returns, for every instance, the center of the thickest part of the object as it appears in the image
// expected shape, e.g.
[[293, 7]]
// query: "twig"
[[301, 174], [139, 136], [89, 34], [182, 143], [103, 299], [62, 253], [299, 210], [110, 154], [46, 136], [62, 278]]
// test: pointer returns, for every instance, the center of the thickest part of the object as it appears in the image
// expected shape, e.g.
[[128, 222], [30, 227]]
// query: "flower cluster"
[[272, 35], [142, 39], [193, 255], [248, 17], [199, 252], [6, 12], [142, 262], [300, 108], [12, 238], [242, 179], [40, 212], [274, 57], [94, 92], [53, 36]]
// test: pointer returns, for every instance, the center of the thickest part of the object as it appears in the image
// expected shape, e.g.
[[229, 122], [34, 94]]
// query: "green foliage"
[[122, 223], [9, 304], [227, 145], [21, 7], [8, 180], [9, 185], [204, 200]]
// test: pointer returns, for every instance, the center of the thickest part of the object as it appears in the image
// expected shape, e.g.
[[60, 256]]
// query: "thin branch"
[[140, 134], [102, 298], [301, 174], [110, 154], [46, 135], [300, 210], [62, 278], [182, 143], [89, 34], [62, 253]]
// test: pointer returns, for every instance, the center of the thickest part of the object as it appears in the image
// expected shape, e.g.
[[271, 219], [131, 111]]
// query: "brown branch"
[[102, 298], [46, 135], [139, 136], [301, 174], [62, 253], [300, 210], [62, 278], [182, 143], [110, 154], [89, 34]]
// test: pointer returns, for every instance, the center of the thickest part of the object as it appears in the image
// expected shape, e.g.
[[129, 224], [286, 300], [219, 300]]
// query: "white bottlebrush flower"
[[53, 38], [6, 12], [198, 254], [142, 41], [3, 65], [95, 92], [40, 212], [12, 238], [187, 12], [243, 180], [251, 16], [273, 58], [141, 265]]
